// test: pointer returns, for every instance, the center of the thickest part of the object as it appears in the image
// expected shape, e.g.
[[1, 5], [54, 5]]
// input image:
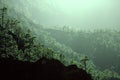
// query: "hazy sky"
[[80, 13]]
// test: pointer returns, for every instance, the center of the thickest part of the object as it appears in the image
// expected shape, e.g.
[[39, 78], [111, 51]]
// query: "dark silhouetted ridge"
[[43, 69]]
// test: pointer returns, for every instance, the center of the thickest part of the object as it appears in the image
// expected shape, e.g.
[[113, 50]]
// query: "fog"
[[82, 14], [21, 26], [79, 13]]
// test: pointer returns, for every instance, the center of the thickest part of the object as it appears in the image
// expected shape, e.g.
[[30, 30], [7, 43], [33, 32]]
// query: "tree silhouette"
[[84, 61]]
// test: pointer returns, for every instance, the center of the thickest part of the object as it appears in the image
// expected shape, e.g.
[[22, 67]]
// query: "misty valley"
[[59, 40]]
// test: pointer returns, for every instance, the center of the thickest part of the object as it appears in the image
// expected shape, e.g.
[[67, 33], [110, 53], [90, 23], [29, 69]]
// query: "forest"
[[26, 41]]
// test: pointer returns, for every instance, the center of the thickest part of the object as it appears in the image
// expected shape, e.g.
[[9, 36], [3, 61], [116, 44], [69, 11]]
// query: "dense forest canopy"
[[27, 28]]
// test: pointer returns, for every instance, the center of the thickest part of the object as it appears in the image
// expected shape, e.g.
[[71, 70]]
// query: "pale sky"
[[80, 13]]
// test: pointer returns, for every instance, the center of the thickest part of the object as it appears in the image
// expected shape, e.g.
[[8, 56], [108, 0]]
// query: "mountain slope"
[[69, 56], [99, 45]]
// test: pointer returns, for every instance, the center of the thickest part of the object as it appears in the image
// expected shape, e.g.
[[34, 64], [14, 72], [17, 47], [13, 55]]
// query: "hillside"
[[102, 46], [60, 45]]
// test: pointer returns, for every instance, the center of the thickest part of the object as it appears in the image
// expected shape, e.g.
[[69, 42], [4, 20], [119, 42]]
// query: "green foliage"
[[102, 47], [45, 44], [9, 45], [84, 61]]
